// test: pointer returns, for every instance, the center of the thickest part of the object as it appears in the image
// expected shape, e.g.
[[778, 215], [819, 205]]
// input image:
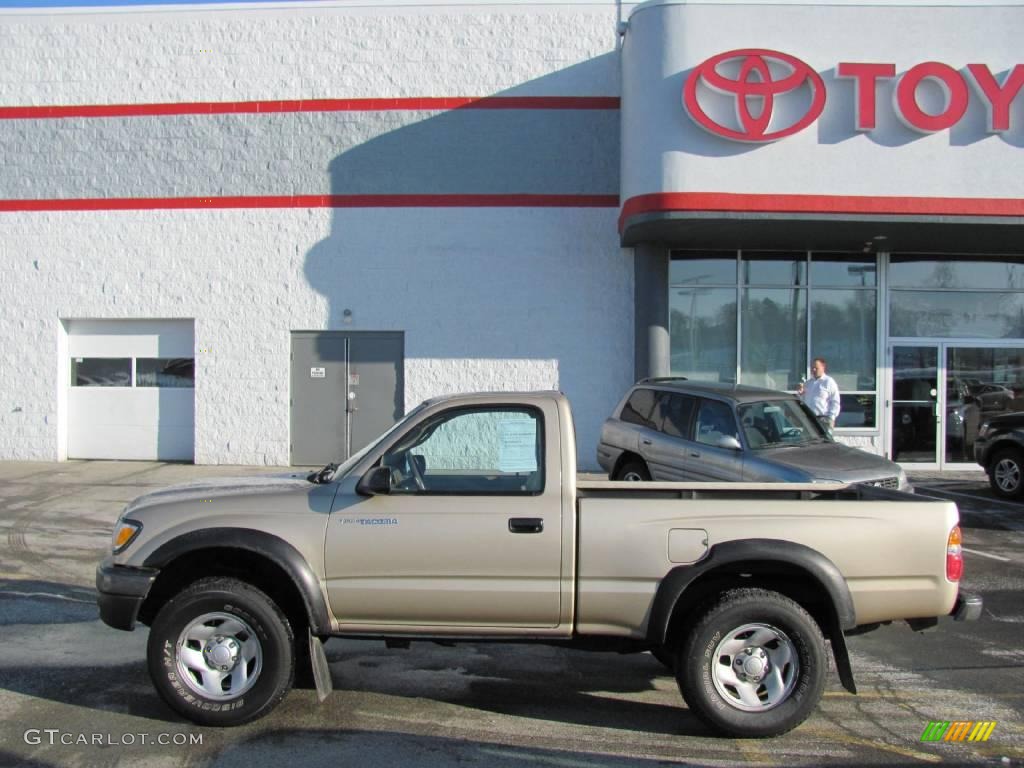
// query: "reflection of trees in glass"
[[843, 332], [702, 328], [987, 314], [774, 337], [1013, 323], [944, 275]]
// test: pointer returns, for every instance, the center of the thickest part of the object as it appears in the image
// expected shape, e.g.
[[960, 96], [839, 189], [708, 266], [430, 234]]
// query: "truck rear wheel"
[[753, 665], [220, 653]]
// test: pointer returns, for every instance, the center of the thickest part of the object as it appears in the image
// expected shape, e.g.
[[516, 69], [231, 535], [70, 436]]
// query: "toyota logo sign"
[[755, 90]]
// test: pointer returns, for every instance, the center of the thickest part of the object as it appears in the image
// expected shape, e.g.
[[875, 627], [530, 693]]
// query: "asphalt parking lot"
[[76, 693]]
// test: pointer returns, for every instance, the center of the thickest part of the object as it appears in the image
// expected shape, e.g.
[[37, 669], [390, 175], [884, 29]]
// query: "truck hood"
[[832, 461], [223, 488]]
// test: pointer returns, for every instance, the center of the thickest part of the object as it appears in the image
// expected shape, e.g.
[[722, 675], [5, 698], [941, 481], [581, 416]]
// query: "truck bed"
[[892, 555]]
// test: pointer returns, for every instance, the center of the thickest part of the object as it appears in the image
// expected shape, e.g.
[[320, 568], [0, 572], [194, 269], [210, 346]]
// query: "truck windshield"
[[774, 423]]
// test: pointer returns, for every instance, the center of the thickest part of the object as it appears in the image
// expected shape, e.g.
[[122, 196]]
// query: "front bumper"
[[122, 589]]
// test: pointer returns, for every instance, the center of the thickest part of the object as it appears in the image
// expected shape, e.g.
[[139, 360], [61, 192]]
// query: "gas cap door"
[[687, 545]]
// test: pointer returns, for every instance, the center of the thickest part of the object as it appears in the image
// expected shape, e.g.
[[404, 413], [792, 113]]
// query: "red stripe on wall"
[[314, 201], [663, 202], [310, 105]]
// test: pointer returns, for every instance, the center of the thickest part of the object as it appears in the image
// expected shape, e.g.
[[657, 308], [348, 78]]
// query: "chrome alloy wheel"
[[219, 656], [755, 667], [1007, 475], [633, 477]]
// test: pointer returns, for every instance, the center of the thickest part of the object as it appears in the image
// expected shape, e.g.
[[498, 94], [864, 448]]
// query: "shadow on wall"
[[483, 283]]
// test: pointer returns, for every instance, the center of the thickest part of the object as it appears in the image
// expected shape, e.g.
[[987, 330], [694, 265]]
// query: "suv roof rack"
[[661, 379]]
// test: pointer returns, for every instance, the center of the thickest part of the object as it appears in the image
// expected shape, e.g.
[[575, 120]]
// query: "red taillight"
[[954, 555]]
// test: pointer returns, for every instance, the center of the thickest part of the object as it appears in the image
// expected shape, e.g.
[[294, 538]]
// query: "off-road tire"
[[251, 607], [696, 664]]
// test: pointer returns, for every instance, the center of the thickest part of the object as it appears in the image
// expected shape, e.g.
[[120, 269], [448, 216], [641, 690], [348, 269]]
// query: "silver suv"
[[678, 430]]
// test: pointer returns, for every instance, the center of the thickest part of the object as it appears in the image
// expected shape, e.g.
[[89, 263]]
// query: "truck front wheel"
[[220, 653], [753, 665]]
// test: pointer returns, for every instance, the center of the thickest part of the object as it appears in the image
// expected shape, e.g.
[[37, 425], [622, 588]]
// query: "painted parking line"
[[1000, 558]]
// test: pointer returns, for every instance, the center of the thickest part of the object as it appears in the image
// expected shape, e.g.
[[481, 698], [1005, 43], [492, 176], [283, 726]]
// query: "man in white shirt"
[[821, 394]]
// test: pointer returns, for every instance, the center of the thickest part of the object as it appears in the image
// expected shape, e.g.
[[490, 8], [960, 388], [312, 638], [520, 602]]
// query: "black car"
[[999, 448]]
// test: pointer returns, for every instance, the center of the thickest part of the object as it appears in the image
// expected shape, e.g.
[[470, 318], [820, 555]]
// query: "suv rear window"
[[637, 409], [674, 414]]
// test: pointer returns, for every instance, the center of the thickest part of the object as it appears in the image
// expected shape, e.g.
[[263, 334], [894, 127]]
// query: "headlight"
[[124, 534], [904, 482]]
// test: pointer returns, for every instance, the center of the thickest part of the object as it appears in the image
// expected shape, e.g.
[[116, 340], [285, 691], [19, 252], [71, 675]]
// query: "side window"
[[639, 407], [714, 421], [471, 451], [677, 411]]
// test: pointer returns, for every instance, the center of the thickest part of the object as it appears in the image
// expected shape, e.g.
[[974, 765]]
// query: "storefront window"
[[970, 314], [857, 411], [704, 269], [787, 299], [842, 270], [773, 324], [843, 332], [774, 268], [703, 332], [916, 271], [980, 383]]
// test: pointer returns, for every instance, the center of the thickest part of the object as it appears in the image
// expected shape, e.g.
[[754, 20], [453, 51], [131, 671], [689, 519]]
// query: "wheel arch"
[[624, 458], [262, 559], [1006, 442], [794, 570]]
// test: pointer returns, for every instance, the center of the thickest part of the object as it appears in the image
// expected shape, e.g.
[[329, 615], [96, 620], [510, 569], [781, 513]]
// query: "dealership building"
[[258, 233]]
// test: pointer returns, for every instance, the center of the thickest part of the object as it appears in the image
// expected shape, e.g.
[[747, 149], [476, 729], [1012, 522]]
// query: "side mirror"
[[376, 481], [729, 442]]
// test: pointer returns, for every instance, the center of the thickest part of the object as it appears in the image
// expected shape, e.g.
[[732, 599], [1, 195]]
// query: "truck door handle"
[[645, 442], [526, 524], [694, 454]]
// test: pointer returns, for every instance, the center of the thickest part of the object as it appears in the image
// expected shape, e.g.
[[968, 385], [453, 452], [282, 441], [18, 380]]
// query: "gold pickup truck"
[[466, 522]]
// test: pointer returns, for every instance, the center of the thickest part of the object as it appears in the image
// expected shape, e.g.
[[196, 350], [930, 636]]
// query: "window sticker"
[[517, 445]]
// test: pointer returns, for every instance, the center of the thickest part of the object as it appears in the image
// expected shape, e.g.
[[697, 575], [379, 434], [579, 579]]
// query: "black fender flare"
[[784, 553], [261, 543]]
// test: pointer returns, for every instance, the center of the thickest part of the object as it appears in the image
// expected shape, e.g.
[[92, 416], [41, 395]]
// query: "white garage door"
[[132, 389]]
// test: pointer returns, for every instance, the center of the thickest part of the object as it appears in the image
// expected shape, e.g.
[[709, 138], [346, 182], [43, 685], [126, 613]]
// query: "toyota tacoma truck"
[[466, 522]]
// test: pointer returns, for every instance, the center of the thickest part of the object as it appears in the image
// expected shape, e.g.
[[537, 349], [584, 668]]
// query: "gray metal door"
[[347, 388]]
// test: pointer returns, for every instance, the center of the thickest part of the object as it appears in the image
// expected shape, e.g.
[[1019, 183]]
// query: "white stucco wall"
[[488, 298]]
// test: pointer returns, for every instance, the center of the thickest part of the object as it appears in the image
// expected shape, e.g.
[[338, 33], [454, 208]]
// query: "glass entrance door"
[[914, 436]]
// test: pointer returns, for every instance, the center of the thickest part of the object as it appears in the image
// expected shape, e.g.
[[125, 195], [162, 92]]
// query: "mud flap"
[[842, 656], [321, 672]]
